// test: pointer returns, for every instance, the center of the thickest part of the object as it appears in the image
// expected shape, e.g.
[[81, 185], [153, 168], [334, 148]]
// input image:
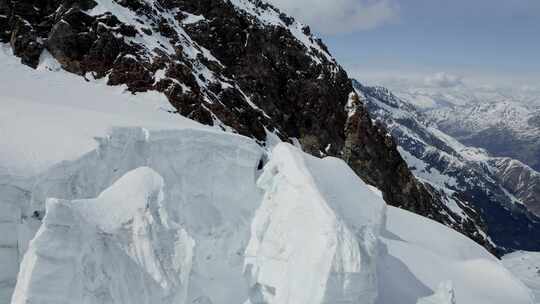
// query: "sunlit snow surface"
[[47, 116], [526, 266], [168, 211]]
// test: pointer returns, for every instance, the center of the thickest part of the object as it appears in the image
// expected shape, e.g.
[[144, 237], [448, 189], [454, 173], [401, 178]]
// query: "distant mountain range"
[[499, 194], [504, 122]]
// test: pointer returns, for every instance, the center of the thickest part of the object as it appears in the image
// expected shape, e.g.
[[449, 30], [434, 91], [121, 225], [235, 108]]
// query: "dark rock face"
[[229, 67], [24, 42], [366, 148], [482, 187], [277, 73]]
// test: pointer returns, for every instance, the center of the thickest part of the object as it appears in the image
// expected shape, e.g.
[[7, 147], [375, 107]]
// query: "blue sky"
[[493, 40]]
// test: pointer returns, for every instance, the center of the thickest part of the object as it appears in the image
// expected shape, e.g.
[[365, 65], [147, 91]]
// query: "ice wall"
[[314, 238], [116, 248]]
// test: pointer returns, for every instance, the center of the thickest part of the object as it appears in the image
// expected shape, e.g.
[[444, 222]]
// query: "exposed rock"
[[128, 70], [24, 42]]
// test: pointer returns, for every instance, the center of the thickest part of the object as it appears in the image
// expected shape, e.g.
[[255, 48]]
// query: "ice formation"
[[116, 248], [193, 216]]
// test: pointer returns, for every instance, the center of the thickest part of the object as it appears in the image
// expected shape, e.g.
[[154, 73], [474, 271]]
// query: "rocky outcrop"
[[242, 66]]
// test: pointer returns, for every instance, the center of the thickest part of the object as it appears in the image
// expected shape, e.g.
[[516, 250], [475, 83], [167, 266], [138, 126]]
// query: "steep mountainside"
[[498, 195], [520, 180], [239, 65]]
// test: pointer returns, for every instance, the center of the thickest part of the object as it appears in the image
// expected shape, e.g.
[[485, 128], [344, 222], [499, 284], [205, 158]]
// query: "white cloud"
[[340, 16], [443, 80]]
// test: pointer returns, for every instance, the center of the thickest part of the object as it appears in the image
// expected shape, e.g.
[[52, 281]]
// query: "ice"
[[13, 236], [162, 216], [117, 248], [210, 191], [311, 241]]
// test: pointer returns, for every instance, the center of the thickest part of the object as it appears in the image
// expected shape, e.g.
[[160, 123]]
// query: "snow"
[[525, 266], [422, 254], [426, 172], [190, 18], [351, 107], [121, 202], [507, 112], [125, 15], [444, 295], [209, 191], [50, 116]]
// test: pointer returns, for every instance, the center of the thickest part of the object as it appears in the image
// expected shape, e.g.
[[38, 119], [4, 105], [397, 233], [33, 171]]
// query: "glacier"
[[192, 216], [112, 200]]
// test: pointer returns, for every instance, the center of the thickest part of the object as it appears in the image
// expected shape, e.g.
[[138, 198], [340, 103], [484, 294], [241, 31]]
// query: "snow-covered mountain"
[[121, 186], [520, 180], [505, 122], [434, 94], [505, 128], [241, 66], [175, 210], [489, 192]]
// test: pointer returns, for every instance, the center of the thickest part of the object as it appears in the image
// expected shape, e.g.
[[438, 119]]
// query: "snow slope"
[[61, 113], [423, 254], [48, 116], [526, 266]]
